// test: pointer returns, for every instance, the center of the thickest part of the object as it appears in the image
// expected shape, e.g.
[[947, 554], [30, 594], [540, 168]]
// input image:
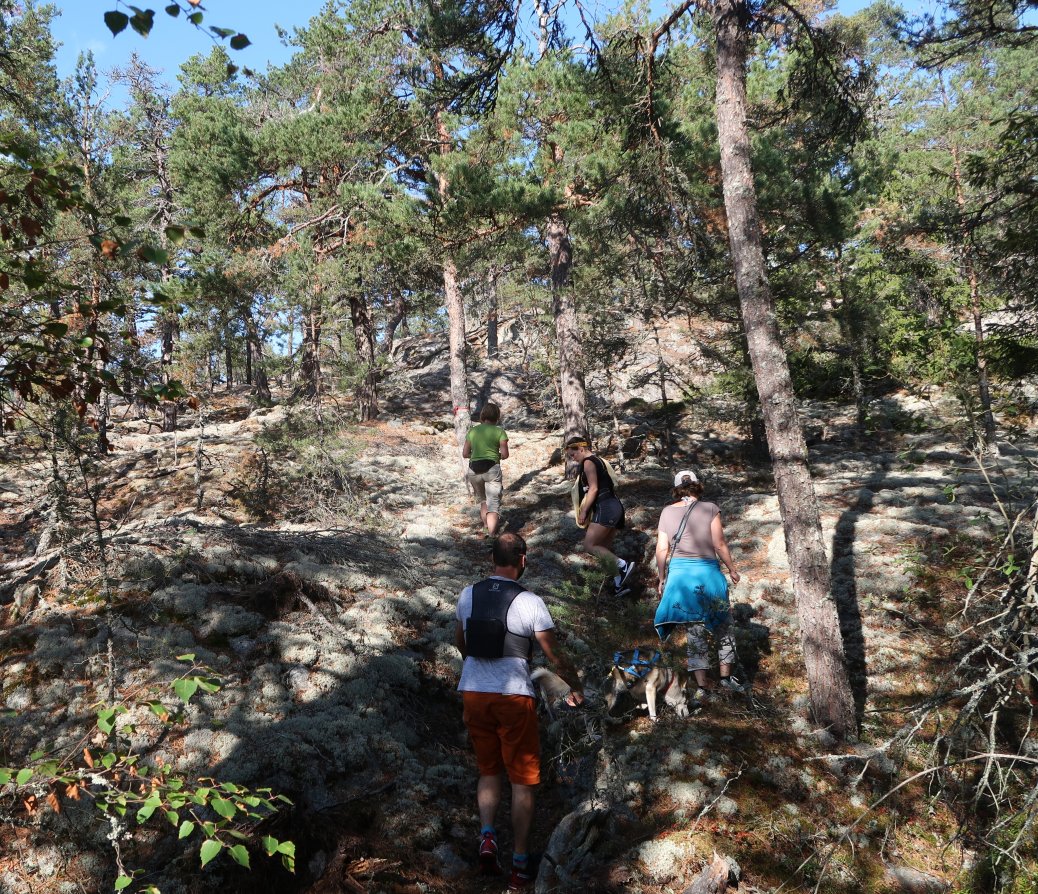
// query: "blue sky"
[[81, 27]]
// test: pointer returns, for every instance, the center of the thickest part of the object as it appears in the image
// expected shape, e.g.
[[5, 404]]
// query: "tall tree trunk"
[[291, 344], [849, 319], [309, 385], [398, 320], [459, 372], [830, 690], [572, 391], [455, 312], [250, 339], [168, 331], [492, 273], [228, 359], [364, 339], [976, 310]]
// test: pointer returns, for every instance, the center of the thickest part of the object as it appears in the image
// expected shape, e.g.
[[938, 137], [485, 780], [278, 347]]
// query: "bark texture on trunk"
[[976, 309], [168, 329], [455, 313], [364, 339], [572, 390], [492, 272], [397, 321], [309, 385], [459, 371], [830, 690]]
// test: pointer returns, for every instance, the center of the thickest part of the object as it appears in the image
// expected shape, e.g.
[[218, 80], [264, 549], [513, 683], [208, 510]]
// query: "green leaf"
[[123, 882], [186, 688], [208, 685], [6, 774], [210, 849], [143, 20], [24, 775], [222, 32], [149, 807], [288, 848], [223, 807], [116, 21], [176, 235], [173, 817], [239, 42], [173, 10], [241, 856], [188, 657], [186, 828], [195, 18], [55, 329], [270, 845], [36, 755], [105, 720], [108, 761], [154, 254]]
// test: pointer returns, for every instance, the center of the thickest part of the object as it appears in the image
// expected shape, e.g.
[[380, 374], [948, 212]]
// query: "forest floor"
[[315, 570]]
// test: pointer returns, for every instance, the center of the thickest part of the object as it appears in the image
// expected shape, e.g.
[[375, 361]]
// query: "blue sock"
[[520, 860], [488, 829]]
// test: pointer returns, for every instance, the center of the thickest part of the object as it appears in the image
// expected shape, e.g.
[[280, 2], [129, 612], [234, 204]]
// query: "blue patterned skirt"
[[696, 592]]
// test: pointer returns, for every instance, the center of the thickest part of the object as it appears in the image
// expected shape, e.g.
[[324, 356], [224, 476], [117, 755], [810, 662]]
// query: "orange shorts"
[[503, 729]]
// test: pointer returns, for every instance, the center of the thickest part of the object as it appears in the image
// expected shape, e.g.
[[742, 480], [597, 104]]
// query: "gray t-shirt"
[[508, 676], [696, 542]]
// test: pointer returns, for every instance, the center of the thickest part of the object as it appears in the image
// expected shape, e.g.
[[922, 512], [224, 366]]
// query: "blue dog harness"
[[639, 665]]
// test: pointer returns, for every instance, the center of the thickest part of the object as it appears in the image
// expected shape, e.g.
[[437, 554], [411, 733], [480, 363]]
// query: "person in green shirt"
[[486, 445]]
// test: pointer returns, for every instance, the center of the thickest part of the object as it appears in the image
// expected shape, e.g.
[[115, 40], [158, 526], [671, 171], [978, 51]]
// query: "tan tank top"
[[696, 542]]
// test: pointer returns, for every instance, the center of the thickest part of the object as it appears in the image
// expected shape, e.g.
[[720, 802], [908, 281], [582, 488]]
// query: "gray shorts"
[[697, 646], [488, 486]]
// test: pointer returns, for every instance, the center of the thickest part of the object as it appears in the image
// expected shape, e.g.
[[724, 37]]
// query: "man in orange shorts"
[[498, 623]]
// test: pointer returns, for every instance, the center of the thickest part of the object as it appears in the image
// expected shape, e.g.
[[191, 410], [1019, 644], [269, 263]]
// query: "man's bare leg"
[[488, 798], [522, 816]]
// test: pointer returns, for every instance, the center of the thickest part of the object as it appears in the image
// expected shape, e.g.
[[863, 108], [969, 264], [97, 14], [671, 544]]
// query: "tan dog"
[[647, 685]]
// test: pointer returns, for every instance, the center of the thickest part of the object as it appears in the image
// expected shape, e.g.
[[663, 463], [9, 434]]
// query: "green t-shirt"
[[485, 441]]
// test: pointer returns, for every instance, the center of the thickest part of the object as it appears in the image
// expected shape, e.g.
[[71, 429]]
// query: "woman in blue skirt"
[[690, 548]]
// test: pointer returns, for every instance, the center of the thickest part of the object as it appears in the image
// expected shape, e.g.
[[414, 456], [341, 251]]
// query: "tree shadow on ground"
[[844, 582]]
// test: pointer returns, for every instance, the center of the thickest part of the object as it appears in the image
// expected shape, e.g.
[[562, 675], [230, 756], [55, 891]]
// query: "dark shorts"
[[608, 512]]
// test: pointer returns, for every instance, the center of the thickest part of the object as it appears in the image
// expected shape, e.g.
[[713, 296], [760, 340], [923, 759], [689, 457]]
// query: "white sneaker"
[[624, 575], [733, 684]]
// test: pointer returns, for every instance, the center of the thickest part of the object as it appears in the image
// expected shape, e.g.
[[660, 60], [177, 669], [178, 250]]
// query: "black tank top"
[[605, 482]]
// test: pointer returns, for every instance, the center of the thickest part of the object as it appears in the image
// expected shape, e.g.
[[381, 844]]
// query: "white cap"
[[688, 473]]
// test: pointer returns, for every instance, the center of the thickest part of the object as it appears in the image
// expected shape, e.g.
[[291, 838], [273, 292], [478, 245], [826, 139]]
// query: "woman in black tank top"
[[600, 510]]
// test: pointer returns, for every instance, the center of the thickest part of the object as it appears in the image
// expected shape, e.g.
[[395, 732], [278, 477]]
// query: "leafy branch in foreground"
[[143, 20], [130, 792]]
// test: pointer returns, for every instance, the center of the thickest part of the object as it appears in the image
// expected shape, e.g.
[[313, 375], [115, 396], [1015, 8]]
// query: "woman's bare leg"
[[599, 541]]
